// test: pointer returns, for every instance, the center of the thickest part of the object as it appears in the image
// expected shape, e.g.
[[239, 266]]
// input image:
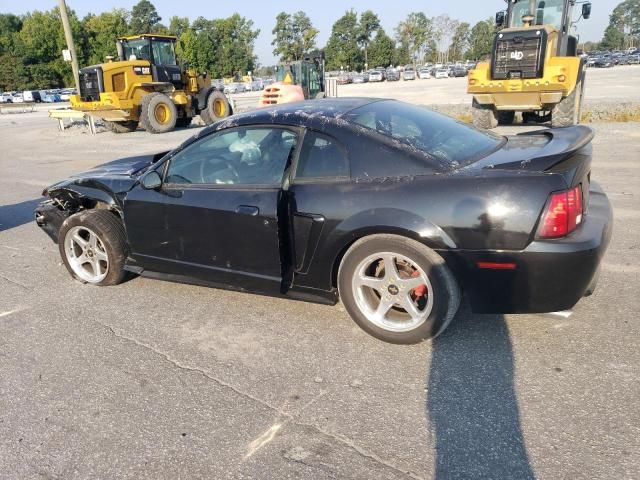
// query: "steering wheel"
[[229, 166]]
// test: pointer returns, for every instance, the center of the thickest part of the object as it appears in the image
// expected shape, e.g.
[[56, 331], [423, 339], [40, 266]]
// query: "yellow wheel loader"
[[147, 87], [534, 66]]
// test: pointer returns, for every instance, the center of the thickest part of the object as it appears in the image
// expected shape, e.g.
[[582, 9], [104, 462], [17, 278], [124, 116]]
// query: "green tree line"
[[31, 45], [358, 41]]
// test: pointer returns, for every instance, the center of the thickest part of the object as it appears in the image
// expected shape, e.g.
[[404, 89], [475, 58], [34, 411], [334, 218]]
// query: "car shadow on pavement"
[[17, 214], [471, 402]]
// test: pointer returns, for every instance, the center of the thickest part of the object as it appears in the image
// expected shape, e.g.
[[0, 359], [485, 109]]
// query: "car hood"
[[116, 177], [129, 166]]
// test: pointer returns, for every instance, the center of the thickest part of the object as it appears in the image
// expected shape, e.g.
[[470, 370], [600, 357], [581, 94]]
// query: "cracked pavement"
[[151, 379]]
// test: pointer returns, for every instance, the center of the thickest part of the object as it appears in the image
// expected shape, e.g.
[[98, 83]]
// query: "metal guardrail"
[[18, 107], [62, 114]]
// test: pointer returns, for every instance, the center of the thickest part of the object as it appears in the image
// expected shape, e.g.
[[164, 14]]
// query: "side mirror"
[[500, 18], [586, 10], [151, 180]]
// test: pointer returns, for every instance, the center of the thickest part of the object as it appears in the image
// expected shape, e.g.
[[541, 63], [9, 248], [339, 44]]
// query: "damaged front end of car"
[[103, 187]]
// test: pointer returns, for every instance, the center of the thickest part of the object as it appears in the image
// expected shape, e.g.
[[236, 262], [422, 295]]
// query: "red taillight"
[[563, 214]]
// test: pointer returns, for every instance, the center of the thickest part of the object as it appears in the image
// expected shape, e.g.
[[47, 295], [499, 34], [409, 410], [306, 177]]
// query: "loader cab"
[[556, 15], [308, 74], [159, 51]]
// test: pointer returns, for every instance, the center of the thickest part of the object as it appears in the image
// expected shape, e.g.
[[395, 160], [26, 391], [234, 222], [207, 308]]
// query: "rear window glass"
[[449, 142]]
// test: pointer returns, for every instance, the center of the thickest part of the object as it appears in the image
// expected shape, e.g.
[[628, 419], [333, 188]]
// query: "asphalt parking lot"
[[158, 380]]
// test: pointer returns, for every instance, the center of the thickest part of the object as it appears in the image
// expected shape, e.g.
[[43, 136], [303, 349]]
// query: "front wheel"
[[397, 289], [158, 113], [93, 247], [484, 116], [567, 111]]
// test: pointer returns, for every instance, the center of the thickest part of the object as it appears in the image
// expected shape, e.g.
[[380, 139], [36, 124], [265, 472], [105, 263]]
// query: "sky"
[[323, 13]]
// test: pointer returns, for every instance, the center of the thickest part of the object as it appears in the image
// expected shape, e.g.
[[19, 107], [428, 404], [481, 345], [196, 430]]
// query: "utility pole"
[[70, 45]]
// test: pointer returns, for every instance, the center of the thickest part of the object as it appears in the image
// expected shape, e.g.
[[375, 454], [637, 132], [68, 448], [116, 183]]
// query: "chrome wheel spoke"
[[411, 282], [80, 260], [407, 303], [390, 268], [383, 308], [93, 240], [81, 242], [100, 255], [371, 282]]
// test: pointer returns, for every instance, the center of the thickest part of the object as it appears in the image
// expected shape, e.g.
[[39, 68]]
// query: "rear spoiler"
[[563, 143]]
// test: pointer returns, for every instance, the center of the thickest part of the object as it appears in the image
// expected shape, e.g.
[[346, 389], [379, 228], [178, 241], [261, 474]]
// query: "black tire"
[[567, 111], [122, 127], [216, 108], [538, 117], [506, 117], [183, 122], [446, 293], [484, 116], [158, 113], [110, 230]]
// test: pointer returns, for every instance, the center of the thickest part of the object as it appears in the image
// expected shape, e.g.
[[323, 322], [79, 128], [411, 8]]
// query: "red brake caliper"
[[420, 290]]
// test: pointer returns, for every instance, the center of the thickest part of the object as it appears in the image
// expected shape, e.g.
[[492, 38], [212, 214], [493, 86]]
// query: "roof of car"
[[299, 113]]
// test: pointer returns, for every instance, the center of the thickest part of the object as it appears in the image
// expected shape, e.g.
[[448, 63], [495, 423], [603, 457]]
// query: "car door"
[[215, 218], [317, 199]]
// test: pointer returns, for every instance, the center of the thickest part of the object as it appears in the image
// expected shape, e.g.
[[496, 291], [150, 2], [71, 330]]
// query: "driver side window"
[[238, 156]]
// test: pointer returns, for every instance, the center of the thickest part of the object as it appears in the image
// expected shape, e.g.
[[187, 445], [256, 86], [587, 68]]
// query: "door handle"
[[248, 210]]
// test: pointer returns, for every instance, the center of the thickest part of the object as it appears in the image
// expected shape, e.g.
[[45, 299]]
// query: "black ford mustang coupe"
[[392, 208]]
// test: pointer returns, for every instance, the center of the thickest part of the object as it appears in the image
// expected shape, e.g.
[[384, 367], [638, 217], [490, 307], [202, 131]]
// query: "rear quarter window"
[[445, 144]]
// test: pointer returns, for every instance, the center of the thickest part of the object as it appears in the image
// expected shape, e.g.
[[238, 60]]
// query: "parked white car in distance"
[[442, 73], [424, 73]]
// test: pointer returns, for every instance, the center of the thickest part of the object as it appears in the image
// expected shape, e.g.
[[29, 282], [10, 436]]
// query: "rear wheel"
[[158, 113], [567, 111], [122, 127], [217, 108], [396, 289], [484, 116], [93, 247], [506, 117]]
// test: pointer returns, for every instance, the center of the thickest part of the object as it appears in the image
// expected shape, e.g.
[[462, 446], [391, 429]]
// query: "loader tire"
[[506, 117], [217, 108], [158, 113], [484, 116], [122, 127], [567, 111]]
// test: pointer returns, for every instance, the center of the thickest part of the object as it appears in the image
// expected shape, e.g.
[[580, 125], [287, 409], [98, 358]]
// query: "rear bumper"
[[550, 275]]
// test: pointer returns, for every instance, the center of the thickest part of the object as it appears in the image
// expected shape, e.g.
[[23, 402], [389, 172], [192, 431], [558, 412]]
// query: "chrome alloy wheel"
[[392, 292], [86, 254]]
